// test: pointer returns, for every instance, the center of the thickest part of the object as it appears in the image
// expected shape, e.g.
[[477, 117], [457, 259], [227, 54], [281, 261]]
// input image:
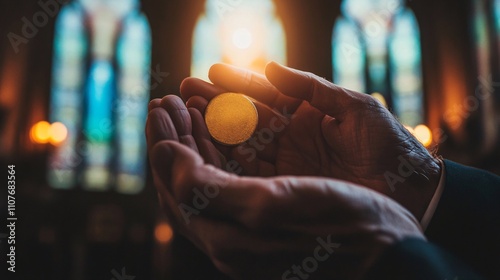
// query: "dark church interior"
[[76, 77]]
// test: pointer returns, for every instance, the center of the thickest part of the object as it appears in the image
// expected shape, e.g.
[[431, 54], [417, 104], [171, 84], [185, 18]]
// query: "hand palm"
[[356, 149], [330, 132]]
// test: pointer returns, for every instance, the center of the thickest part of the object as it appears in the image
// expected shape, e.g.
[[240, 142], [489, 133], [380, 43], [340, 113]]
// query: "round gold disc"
[[231, 118]]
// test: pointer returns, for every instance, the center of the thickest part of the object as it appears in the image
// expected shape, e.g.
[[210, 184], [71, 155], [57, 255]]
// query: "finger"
[[197, 102], [205, 190], [180, 118], [323, 95], [195, 87], [154, 104], [255, 203], [159, 127], [270, 127], [252, 84], [183, 174], [203, 139]]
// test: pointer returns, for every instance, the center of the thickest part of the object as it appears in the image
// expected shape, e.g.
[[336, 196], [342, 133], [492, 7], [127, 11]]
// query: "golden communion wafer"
[[231, 118]]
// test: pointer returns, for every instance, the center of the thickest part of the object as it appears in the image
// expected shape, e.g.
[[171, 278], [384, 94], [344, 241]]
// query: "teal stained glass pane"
[[348, 56], [406, 69]]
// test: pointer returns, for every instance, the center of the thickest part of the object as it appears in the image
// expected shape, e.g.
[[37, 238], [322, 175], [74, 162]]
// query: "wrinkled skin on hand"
[[266, 223], [320, 129], [274, 228]]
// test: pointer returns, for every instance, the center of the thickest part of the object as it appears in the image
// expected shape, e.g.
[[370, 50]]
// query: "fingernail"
[[274, 66], [225, 68]]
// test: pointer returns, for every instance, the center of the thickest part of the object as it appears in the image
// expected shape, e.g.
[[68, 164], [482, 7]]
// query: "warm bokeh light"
[[163, 233], [243, 41], [40, 132], [423, 134], [57, 133], [247, 34], [380, 98], [242, 38], [43, 132], [410, 129]]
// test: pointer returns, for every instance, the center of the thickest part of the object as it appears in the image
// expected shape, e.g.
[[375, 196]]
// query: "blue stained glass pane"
[[68, 72], [406, 71], [98, 125], [134, 59], [99, 100], [348, 56], [374, 12], [134, 44]]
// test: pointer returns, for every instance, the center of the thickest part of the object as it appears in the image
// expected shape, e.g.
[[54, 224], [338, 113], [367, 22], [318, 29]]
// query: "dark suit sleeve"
[[464, 233], [467, 220], [416, 259]]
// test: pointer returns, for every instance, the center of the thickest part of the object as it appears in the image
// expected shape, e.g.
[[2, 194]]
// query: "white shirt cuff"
[[431, 209]]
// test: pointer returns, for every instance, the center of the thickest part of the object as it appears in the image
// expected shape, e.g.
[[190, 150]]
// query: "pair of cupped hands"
[[319, 193]]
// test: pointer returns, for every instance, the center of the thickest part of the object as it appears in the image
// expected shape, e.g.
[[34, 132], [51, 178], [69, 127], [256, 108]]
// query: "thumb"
[[320, 93]]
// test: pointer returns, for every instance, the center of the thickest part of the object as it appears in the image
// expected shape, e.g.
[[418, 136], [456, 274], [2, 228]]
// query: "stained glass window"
[[245, 33], [376, 49], [100, 91]]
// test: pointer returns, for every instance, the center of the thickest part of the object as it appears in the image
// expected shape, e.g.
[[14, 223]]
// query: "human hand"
[[276, 228], [327, 131]]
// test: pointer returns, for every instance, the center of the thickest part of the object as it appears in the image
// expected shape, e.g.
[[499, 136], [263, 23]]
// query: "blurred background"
[[76, 77]]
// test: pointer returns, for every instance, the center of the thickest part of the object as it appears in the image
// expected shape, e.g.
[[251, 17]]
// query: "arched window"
[[100, 91], [239, 32], [376, 49]]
